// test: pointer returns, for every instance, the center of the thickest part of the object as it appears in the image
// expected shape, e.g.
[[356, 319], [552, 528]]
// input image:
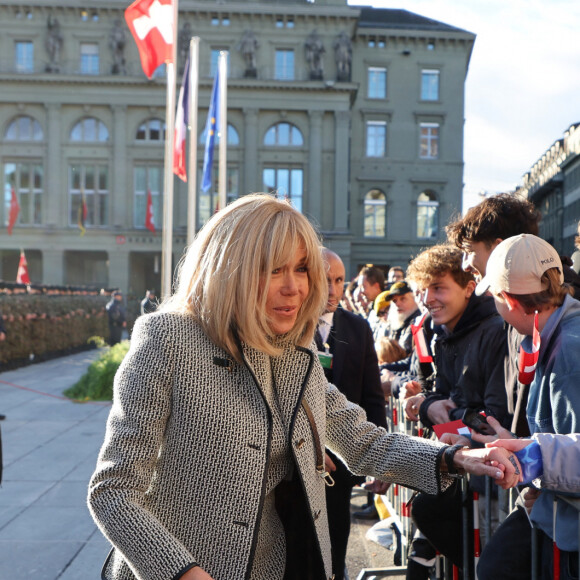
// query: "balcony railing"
[[133, 70]]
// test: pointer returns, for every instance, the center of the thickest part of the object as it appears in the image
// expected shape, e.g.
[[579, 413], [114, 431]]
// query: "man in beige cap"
[[524, 276]]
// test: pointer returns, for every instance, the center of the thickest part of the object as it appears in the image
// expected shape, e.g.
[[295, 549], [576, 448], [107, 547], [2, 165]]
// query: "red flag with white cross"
[[22, 274], [149, 216], [152, 27]]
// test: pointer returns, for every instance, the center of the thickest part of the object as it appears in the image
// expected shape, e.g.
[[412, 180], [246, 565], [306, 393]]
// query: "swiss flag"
[[14, 211], [149, 219], [151, 24], [22, 274]]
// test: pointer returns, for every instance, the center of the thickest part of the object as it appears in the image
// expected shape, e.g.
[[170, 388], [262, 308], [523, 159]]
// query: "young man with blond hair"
[[468, 343], [468, 348]]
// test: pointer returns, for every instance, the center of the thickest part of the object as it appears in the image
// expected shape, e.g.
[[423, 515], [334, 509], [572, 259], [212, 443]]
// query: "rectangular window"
[[287, 182], [148, 178], [89, 58], [213, 65], [427, 226], [429, 85], [429, 140], [375, 217], [92, 182], [284, 65], [376, 138], [23, 56], [27, 182], [377, 83]]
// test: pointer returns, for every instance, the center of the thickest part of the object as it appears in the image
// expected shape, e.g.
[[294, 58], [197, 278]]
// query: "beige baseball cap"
[[517, 264]]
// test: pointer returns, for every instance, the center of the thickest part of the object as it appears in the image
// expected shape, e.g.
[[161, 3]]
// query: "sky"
[[523, 84]]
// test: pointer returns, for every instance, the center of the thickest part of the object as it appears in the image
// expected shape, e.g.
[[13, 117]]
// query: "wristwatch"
[[449, 455]]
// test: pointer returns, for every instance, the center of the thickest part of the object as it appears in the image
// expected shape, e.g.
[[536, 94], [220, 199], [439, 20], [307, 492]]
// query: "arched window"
[[283, 135], [375, 215], [427, 215], [151, 130], [89, 129], [233, 137], [24, 128]]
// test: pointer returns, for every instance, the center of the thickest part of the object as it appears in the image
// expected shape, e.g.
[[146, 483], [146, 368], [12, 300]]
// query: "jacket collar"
[[287, 374]]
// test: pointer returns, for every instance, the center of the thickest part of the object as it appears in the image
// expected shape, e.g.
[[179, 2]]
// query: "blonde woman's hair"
[[224, 277]]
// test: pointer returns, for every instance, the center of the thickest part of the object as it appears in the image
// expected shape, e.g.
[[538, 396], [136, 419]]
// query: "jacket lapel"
[[290, 373]]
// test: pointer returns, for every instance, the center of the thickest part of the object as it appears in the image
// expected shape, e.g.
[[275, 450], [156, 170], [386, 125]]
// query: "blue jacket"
[[554, 407]]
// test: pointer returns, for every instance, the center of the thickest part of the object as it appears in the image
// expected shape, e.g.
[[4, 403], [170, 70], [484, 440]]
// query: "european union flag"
[[212, 126]]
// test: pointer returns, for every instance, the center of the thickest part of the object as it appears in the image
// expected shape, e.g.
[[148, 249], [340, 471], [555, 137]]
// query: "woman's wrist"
[[451, 460]]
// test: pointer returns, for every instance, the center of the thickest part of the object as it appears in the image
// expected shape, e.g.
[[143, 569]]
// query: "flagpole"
[[223, 128], [167, 238], [192, 160]]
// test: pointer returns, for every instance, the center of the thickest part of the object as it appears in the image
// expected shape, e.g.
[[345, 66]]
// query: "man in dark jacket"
[[469, 348], [347, 353], [149, 303], [116, 316], [476, 234]]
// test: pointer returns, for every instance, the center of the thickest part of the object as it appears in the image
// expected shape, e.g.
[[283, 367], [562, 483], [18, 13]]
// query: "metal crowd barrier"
[[398, 498]]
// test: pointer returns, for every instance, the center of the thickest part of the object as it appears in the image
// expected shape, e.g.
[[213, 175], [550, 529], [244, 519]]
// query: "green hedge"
[[40, 326], [97, 383]]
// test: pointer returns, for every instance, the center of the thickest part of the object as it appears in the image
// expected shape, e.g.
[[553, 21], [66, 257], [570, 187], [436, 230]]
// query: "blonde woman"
[[213, 465]]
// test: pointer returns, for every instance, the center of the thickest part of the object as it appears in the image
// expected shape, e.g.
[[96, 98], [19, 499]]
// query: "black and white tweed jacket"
[[187, 421]]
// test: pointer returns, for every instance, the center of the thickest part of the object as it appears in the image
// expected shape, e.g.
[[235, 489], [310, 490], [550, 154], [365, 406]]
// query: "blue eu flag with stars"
[[212, 126]]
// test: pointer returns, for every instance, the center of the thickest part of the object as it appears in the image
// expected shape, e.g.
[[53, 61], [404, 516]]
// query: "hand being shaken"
[[500, 464]]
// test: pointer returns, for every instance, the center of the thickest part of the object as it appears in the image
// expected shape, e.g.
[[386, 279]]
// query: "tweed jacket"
[[189, 435]]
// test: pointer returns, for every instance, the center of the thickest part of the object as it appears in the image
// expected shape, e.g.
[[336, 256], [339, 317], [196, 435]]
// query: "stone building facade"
[[553, 185], [355, 114]]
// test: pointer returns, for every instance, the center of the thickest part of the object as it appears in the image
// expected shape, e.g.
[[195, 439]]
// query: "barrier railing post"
[[535, 555], [487, 521], [476, 535], [466, 557]]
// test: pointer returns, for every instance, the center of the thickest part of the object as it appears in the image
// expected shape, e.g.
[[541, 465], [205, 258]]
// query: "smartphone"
[[477, 421]]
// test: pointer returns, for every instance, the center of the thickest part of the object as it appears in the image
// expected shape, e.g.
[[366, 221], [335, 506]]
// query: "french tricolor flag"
[[181, 121]]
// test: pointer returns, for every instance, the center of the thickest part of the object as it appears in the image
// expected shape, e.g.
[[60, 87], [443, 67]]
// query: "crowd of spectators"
[[463, 353]]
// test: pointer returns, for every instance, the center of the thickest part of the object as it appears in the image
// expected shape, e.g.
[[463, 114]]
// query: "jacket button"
[[317, 514], [300, 443]]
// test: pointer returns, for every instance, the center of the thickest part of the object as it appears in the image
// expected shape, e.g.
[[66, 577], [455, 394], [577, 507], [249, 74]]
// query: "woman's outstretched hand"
[[500, 464]]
